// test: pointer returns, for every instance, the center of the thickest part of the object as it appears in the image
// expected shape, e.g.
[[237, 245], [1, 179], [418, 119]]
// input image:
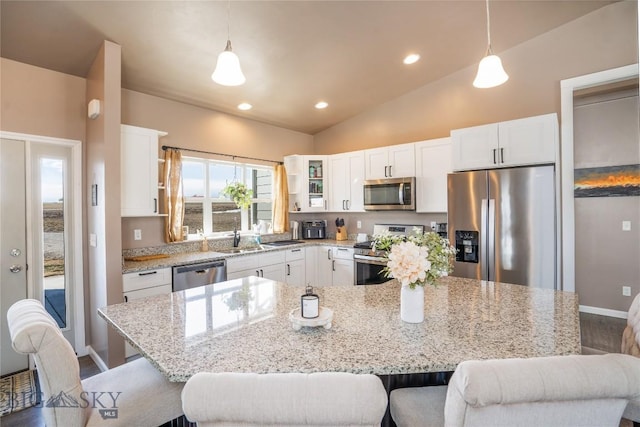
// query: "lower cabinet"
[[141, 285], [295, 271], [334, 266], [342, 267], [269, 265]]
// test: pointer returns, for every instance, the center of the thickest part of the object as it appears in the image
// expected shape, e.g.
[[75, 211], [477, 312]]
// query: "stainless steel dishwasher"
[[194, 275]]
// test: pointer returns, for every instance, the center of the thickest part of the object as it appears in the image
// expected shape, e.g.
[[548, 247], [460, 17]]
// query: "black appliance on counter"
[[314, 229], [369, 263]]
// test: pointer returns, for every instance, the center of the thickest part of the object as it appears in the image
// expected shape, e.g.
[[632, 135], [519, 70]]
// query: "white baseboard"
[[82, 351], [603, 311], [97, 359]]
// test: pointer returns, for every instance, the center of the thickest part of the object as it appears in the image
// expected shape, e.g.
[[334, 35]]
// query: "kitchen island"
[[243, 325]]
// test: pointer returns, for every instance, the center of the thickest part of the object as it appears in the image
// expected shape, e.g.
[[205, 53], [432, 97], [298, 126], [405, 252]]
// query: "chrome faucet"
[[236, 238]]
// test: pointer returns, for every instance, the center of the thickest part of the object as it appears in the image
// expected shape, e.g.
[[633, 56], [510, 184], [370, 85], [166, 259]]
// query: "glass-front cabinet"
[[308, 183]]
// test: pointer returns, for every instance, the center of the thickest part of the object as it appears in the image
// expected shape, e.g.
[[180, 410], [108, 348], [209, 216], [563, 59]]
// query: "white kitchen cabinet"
[[139, 180], [269, 265], [347, 182], [144, 284], [395, 161], [324, 266], [342, 267], [310, 182], [295, 266], [433, 163], [528, 141]]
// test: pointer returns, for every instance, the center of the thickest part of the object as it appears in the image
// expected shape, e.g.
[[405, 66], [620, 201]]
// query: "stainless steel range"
[[369, 263]]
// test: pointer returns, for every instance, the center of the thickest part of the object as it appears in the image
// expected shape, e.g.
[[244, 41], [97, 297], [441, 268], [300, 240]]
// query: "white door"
[[40, 219], [343, 272], [324, 273], [475, 148], [13, 244], [377, 163], [402, 160]]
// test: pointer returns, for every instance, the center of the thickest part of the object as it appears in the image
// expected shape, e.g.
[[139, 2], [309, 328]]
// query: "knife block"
[[341, 233]]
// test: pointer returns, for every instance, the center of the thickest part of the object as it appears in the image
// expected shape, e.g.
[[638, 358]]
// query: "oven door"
[[369, 270]]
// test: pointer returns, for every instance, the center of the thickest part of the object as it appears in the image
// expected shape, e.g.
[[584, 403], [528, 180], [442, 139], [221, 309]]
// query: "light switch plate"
[[93, 240], [626, 225], [137, 234], [626, 291]]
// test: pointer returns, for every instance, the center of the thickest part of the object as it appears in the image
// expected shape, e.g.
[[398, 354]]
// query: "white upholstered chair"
[[287, 399], [546, 391], [146, 398], [631, 345]]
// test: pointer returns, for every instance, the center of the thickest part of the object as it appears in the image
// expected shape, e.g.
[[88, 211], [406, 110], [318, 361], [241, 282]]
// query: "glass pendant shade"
[[490, 72], [228, 72]]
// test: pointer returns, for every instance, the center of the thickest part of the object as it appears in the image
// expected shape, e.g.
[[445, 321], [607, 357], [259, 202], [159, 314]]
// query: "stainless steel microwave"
[[390, 194]]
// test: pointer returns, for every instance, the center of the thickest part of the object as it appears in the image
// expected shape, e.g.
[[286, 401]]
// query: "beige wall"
[[201, 129], [606, 38], [103, 169], [606, 133], [38, 101]]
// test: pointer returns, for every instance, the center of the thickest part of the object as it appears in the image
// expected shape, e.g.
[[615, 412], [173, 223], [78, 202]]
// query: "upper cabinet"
[[308, 181], [528, 141], [433, 163], [139, 180], [346, 177], [396, 161]]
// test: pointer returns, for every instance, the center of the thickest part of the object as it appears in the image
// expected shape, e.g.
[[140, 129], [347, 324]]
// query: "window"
[[207, 210]]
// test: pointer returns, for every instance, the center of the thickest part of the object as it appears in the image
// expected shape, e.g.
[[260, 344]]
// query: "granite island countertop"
[[184, 258], [243, 325]]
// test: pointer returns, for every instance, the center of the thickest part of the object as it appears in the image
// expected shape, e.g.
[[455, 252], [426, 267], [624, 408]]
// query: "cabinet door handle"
[[494, 156], [147, 273], [333, 265], [390, 174], [385, 171], [155, 205], [325, 205], [328, 253], [296, 250], [126, 298], [258, 273], [261, 273], [288, 269], [501, 155], [348, 205]]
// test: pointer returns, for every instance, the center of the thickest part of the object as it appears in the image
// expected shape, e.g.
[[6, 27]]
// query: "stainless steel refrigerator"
[[503, 223]]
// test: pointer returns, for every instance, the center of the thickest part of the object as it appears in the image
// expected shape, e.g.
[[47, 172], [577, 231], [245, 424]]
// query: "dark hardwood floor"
[[600, 333]]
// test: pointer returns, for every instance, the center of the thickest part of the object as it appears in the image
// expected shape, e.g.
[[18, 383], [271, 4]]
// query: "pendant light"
[[490, 71], [228, 72]]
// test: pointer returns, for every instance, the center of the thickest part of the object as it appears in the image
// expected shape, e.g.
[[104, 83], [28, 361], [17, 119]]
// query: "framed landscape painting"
[[608, 181]]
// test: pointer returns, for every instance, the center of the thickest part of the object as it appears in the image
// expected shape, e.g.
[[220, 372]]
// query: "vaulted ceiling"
[[293, 53]]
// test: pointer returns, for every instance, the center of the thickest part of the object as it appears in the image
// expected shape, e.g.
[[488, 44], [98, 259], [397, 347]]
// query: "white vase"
[[412, 304]]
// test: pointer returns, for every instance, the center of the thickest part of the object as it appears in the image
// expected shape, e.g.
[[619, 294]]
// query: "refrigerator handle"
[[483, 239], [491, 247]]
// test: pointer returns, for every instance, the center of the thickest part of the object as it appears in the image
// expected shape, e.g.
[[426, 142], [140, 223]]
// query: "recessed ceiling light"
[[320, 105], [411, 59], [245, 106]]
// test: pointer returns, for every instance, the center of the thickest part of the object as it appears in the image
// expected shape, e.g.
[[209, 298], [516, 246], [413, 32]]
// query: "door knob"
[[15, 268], [15, 252]]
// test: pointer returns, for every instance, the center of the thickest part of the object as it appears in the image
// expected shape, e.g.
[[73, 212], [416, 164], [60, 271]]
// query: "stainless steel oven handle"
[[365, 259]]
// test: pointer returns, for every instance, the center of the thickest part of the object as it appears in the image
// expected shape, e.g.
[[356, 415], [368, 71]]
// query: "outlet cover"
[[626, 291], [626, 225], [359, 224], [93, 240], [137, 234]]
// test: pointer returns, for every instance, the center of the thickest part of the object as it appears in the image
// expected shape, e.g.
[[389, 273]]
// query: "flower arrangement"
[[419, 260], [239, 193]]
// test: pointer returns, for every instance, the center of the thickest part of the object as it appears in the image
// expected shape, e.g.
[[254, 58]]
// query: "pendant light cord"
[[489, 52], [229, 19]]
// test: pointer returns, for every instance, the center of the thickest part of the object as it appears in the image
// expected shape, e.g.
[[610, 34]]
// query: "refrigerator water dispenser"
[[467, 246]]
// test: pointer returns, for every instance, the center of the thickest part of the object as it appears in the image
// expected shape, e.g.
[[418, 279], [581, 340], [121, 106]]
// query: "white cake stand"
[[324, 318]]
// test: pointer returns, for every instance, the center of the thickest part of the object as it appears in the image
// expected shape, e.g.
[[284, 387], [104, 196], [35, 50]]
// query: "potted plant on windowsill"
[[239, 193]]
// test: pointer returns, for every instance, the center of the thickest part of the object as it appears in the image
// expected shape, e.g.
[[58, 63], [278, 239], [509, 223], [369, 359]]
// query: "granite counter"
[[243, 325]]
